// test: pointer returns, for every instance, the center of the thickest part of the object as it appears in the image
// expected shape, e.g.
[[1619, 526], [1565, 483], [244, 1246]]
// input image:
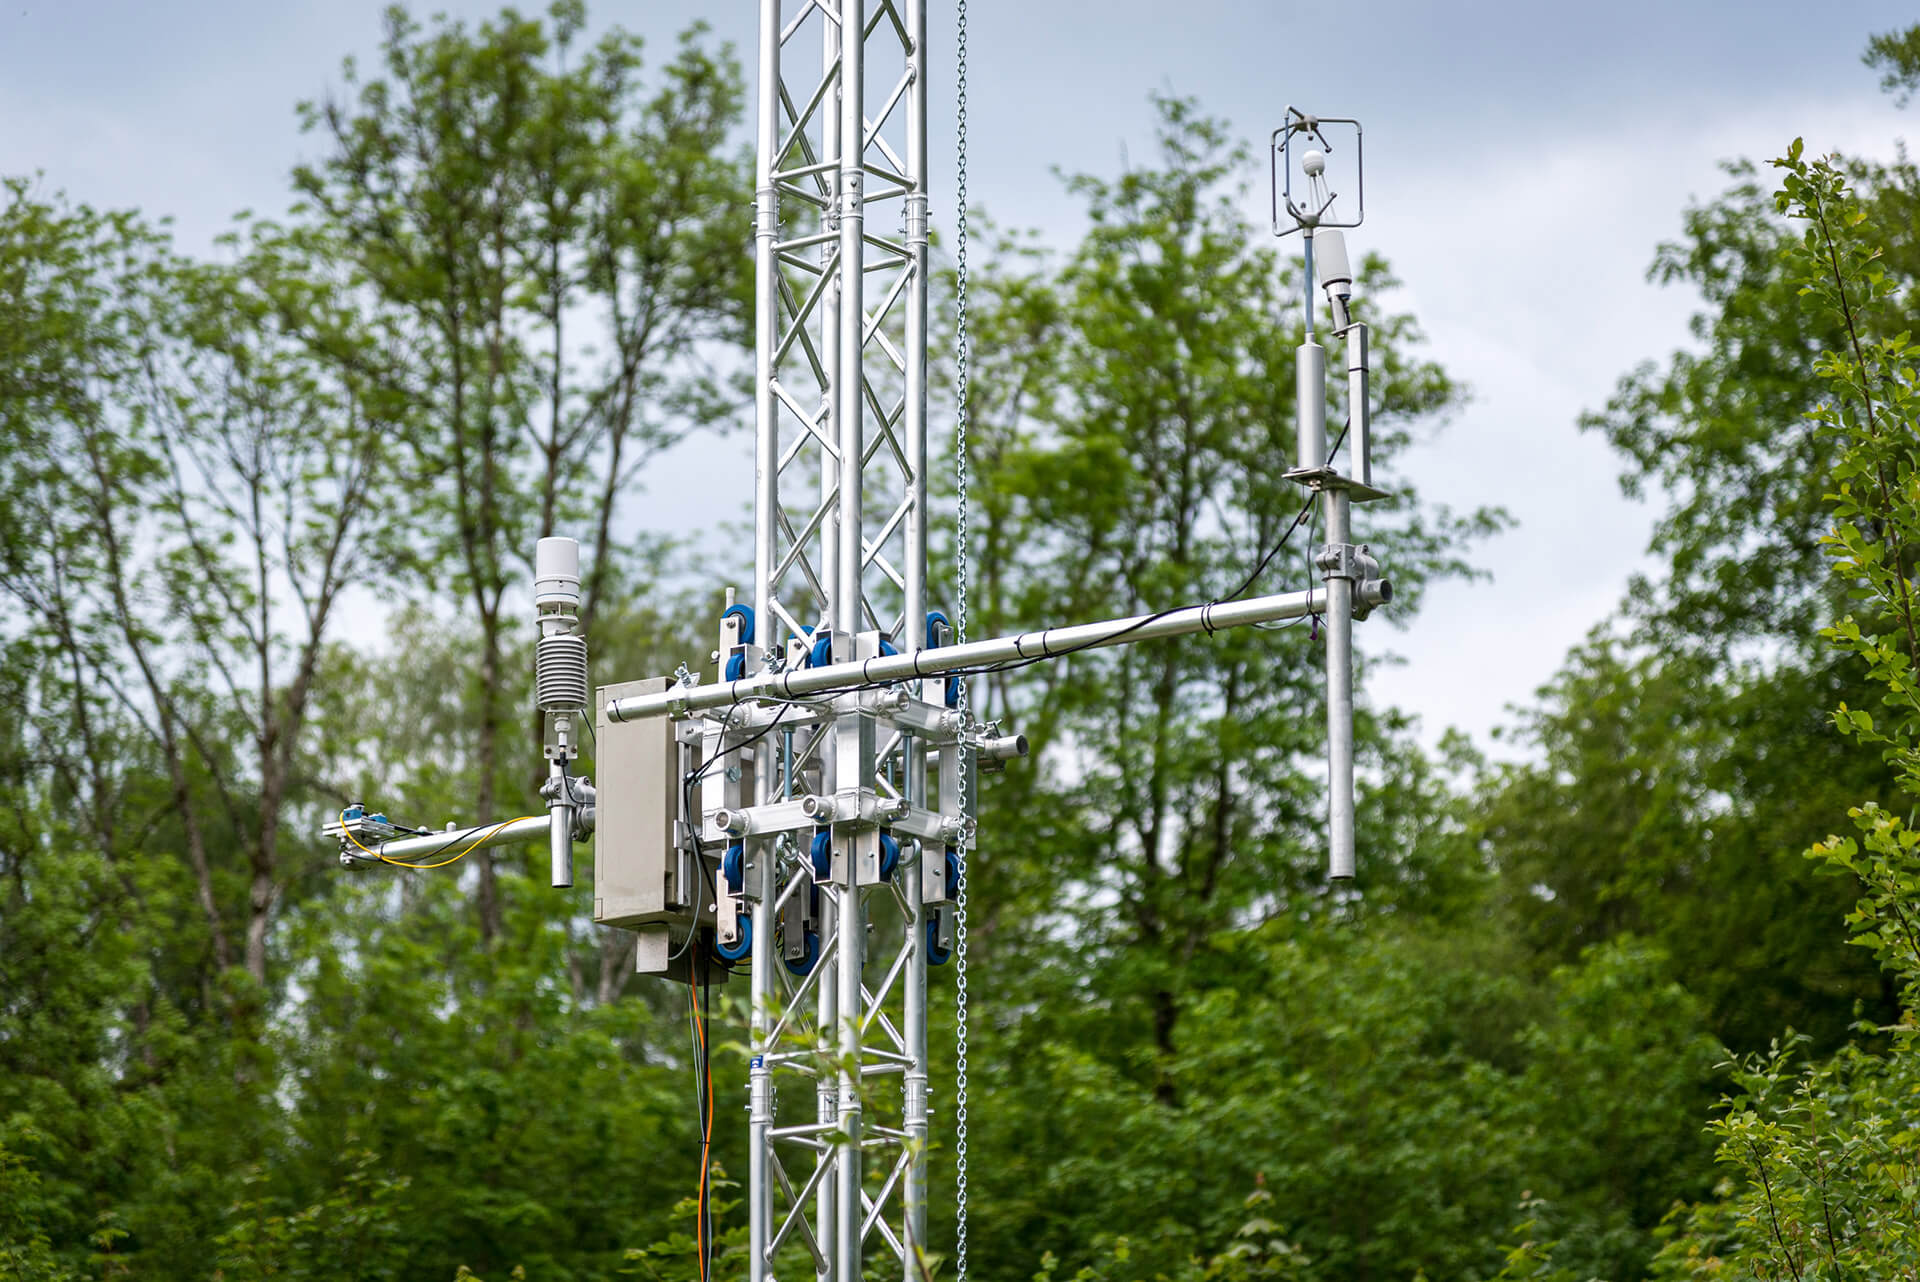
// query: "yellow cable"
[[444, 862], [348, 834]]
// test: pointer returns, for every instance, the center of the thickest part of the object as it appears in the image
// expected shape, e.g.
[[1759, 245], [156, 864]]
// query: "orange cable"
[[700, 1198], [706, 1152]]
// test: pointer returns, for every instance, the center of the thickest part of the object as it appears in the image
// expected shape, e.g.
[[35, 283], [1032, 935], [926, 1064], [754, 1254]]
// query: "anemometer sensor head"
[[1316, 183]]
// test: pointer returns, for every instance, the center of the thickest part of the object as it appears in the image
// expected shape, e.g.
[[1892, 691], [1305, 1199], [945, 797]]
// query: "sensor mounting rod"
[[1051, 643]]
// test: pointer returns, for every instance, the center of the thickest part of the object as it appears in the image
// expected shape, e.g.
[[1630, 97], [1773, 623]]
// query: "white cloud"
[[1521, 172], [1527, 270]]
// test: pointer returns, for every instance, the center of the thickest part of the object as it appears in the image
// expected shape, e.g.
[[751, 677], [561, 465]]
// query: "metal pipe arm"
[[479, 837], [799, 682]]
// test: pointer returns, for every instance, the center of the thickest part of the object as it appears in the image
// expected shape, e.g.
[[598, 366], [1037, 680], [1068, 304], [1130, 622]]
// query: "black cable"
[[686, 808], [697, 1036], [1014, 665], [748, 742], [1305, 508], [706, 1141]]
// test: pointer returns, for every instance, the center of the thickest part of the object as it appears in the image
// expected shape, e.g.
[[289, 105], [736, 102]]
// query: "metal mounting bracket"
[[1321, 479]]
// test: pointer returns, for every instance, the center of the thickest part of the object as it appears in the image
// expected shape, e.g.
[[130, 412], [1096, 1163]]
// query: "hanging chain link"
[[962, 351]]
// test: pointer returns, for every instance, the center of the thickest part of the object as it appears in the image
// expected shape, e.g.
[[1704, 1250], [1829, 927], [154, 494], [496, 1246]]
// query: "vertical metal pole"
[[1339, 692], [766, 505], [829, 312], [914, 1194], [1312, 382], [1310, 386], [1311, 390], [827, 1002], [1306, 237], [914, 216], [1359, 411], [846, 607], [851, 387], [830, 153], [560, 816]]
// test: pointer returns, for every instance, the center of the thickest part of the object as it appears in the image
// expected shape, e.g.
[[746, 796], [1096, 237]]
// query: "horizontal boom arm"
[[798, 682]]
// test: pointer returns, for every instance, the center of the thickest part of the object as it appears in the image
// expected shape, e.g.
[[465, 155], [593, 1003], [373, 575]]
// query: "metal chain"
[[962, 351]]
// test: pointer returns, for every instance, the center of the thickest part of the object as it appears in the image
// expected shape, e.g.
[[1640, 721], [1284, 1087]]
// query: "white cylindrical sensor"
[[556, 572], [1311, 397], [1330, 250]]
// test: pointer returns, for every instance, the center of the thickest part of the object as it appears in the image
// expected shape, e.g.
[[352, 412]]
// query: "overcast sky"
[[1523, 161]]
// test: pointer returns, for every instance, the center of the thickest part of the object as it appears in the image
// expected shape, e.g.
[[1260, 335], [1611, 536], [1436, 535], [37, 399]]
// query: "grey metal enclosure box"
[[637, 858]]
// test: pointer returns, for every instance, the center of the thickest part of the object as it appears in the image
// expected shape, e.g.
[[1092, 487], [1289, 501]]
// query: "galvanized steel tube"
[[1050, 643]]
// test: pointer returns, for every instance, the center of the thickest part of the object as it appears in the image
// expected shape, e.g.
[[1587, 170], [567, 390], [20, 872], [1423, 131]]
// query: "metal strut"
[[840, 563]]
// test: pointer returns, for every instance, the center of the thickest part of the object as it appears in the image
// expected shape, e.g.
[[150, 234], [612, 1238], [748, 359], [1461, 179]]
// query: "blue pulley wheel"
[[805, 965], [736, 669], [889, 854], [936, 955], [733, 867], [953, 873], [740, 947], [935, 621], [822, 852]]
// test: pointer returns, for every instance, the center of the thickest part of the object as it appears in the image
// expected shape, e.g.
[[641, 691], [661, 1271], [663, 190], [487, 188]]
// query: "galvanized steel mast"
[[841, 399]]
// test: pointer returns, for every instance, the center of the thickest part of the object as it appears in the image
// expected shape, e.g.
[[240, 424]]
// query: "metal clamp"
[[1356, 564]]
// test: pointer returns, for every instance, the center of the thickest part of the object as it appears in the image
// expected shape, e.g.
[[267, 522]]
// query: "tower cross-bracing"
[[840, 560]]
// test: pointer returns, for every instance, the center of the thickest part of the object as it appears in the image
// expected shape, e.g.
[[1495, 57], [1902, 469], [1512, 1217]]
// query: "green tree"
[[1132, 416], [1683, 759], [485, 198], [1663, 801], [1824, 1180], [195, 493], [1820, 1173], [1397, 1092], [26, 1255], [207, 465], [192, 493]]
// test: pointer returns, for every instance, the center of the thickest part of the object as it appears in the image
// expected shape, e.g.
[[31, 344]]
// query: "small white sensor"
[[1336, 276], [1314, 163]]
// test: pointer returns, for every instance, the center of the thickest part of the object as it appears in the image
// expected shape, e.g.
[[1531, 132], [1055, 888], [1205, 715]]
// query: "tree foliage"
[[1129, 421], [514, 272], [1683, 757], [216, 1052], [485, 197], [1820, 1157]]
